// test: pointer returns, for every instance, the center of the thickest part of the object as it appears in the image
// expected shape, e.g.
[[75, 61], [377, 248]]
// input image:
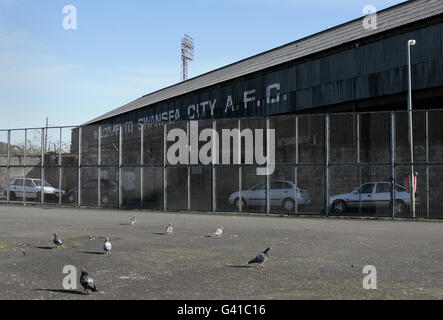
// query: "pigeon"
[[132, 220], [261, 257], [87, 283], [219, 232], [107, 245], [169, 229], [57, 241]]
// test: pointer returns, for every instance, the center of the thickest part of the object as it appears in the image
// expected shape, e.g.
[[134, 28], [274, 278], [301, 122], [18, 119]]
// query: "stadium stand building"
[[336, 100], [345, 68]]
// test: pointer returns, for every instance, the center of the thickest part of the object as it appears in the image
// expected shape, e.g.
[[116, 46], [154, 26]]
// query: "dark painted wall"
[[366, 71]]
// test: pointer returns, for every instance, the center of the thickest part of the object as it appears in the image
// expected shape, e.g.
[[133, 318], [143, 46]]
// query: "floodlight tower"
[[187, 54]]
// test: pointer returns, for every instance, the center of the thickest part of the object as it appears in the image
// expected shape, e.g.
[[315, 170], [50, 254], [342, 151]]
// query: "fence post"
[[42, 193], [240, 200], [296, 167], [60, 168], [189, 164], [268, 178], [427, 165], [359, 161], [142, 150], [24, 166], [8, 168], [79, 174], [165, 180], [99, 170], [326, 173], [120, 158], [214, 177], [392, 164]]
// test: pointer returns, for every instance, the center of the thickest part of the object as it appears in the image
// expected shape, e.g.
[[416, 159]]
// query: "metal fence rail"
[[328, 164]]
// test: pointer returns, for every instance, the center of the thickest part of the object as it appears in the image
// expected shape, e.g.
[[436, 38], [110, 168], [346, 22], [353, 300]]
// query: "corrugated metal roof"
[[402, 14]]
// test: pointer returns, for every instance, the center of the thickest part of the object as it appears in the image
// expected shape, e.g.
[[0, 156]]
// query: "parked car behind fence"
[[30, 188], [283, 194], [109, 192], [372, 195]]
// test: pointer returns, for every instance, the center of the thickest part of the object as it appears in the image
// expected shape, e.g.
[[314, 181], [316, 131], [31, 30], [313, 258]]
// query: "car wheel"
[[237, 203], [288, 205], [39, 196], [12, 196], [339, 206]]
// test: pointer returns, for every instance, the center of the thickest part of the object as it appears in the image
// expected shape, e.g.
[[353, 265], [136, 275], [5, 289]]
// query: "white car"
[[31, 189], [371, 195], [282, 194]]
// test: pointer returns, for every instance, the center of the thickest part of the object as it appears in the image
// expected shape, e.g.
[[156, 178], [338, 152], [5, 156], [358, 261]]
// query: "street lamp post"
[[411, 141]]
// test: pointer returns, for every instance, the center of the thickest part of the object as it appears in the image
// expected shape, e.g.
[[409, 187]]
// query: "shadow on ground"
[[61, 291], [93, 252], [245, 267]]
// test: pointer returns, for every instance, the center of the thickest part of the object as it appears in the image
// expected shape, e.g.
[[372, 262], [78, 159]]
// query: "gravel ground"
[[310, 258]]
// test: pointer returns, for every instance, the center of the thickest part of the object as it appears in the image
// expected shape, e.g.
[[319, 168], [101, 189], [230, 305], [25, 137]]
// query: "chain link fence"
[[354, 164]]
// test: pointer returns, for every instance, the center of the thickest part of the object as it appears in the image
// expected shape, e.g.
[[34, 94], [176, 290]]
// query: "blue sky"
[[125, 49]]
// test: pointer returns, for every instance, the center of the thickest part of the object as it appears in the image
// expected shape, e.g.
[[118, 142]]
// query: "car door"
[[30, 189], [367, 196], [352, 199], [382, 195], [256, 196], [276, 193], [280, 191], [18, 188]]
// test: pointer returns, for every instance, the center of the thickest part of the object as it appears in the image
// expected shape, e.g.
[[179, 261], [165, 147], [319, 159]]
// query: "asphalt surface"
[[310, 258]]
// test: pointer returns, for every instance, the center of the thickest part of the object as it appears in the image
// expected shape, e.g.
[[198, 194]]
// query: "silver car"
[[371, 195], [31, 189], [282, 194]]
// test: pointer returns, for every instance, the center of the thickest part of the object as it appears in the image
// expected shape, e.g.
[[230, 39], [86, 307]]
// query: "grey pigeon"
[[169, 229], [107, 245], [87, 283], [261, 257], [132, 220], [57, 241]]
